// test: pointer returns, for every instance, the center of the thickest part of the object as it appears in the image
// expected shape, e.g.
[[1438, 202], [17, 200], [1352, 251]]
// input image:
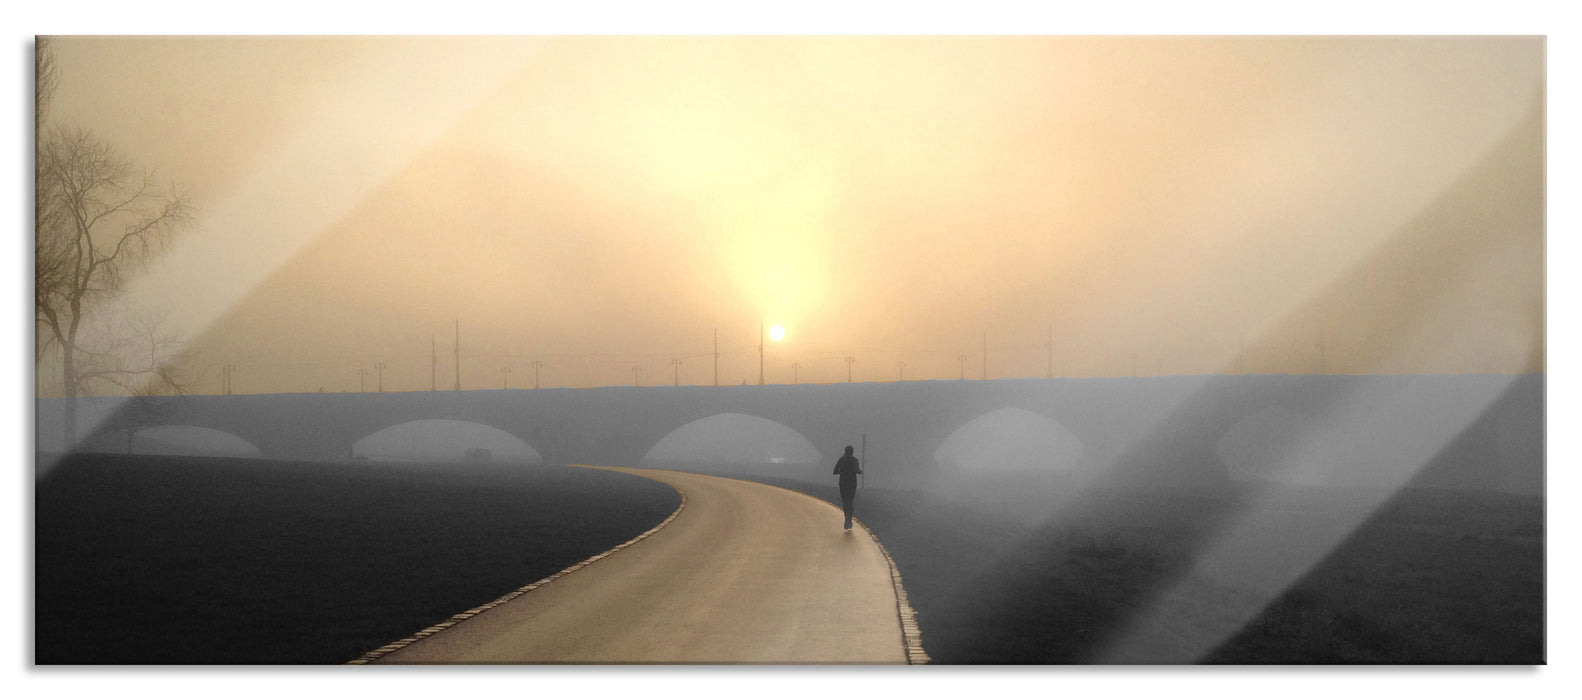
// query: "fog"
[[192, 441], [1288, 468], [990, 207], [1010, 441], [441, 441], [1479, 431], [1268, 282], [737, 442]]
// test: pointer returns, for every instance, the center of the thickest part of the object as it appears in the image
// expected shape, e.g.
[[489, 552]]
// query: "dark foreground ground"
[[182, 560], [1434, 577], [198, 560]]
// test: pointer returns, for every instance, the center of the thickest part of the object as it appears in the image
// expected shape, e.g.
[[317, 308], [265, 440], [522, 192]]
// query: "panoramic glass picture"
[[789, 350]]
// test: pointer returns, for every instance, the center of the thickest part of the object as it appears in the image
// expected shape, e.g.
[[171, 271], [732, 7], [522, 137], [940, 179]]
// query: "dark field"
[[201, 560], [1433, 577], [180, 560]]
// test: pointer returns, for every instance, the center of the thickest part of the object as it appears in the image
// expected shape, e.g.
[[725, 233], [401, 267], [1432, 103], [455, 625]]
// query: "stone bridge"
[[1158, 431]]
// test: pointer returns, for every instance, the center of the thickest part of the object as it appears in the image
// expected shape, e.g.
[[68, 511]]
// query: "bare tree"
[[137, 353], [43, 80], [99, 217], [49, 256]]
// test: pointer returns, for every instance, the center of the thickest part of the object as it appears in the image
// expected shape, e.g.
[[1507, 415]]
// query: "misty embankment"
[[1429, 577], [188, 560]]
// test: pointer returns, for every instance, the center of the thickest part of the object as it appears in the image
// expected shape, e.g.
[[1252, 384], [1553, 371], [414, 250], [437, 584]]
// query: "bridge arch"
[[1010, 441], [1013, 460], [735, 442], [192, 441], [444, 440], [1269, 444]]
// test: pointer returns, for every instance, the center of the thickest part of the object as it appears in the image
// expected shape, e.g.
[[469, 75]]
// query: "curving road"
[[744, 573]]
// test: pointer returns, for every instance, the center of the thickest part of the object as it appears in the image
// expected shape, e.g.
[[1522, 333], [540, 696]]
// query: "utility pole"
[[381, 368], [225, 374], [795, 366], [505, 378], [760, 354], [433, 362], [361, 373], [536, 365], [716, 357], [849, 360], [1050, 372], [985, 355], [676, 362], [963, 360], [902, 365], [458, 354]]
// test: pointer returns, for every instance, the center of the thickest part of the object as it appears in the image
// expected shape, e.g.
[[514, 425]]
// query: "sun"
[[776, 333]]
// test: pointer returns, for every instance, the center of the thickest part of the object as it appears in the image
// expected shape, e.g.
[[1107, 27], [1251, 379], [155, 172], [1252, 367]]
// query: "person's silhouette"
[[848, 469]]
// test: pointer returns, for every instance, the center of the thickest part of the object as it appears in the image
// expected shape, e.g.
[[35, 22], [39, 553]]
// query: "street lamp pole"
[[505, 377], [849, 360], [381, 367]]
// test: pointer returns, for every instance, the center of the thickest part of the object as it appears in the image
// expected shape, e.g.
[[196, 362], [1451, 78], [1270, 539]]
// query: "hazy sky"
[[1165, 206]]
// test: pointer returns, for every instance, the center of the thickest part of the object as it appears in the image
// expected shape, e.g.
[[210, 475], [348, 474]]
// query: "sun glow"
[[776, 333]]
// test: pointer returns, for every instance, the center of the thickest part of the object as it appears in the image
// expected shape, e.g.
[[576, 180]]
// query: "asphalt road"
[[746, 573]]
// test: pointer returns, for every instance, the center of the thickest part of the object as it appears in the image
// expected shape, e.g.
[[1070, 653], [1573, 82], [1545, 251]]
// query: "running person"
[[848, 469]]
